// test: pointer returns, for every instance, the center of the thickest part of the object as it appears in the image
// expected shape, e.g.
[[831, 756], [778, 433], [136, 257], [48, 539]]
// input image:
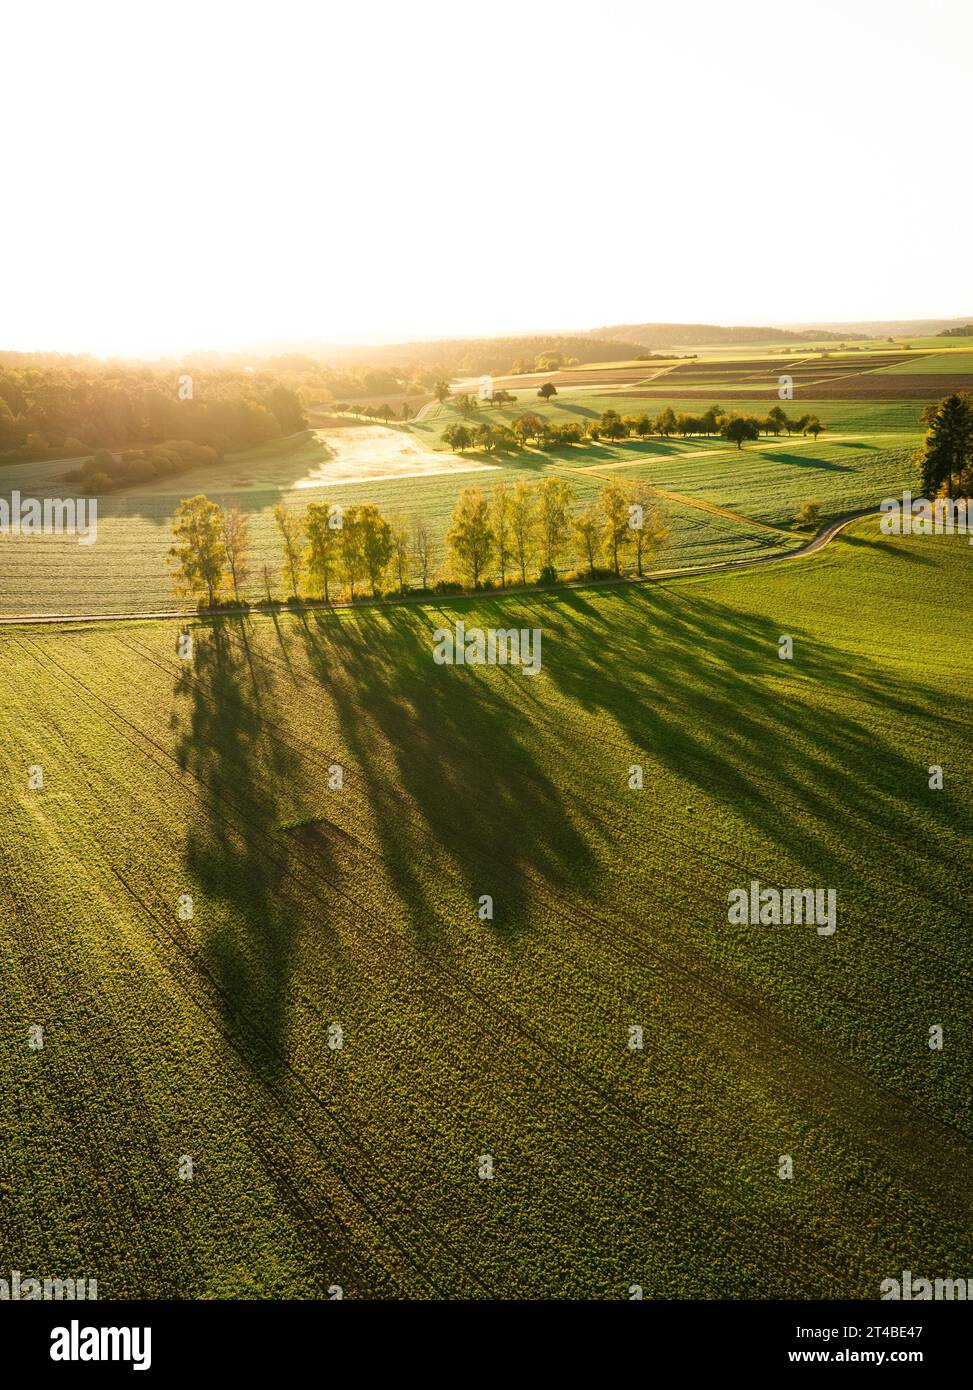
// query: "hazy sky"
[[208, 174]]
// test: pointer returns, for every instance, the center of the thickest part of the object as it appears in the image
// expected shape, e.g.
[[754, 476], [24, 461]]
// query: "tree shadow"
[[802, 461], [440, 754], [234, 858], [679, 660]]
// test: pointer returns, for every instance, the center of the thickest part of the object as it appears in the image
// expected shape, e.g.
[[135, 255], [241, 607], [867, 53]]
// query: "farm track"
[[697, 980]]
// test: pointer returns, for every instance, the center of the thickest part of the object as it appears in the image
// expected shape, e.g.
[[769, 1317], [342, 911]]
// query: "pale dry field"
[[367, 453]]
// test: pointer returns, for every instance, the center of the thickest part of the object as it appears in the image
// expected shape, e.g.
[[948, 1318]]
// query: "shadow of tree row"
[[449, 760]]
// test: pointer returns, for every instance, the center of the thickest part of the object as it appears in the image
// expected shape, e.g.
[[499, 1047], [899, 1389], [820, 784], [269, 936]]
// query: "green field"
[[953, 361], [359, 1167], [770, 481]]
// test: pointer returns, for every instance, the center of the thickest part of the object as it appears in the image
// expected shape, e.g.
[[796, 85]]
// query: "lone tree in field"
[[945, 457], [291, 533], [814, 426], [323, 546], [236, 543], [470, 537], [441, 391], [554, 499], [198, 549], [547, 390], [809, 515], [741, 427]]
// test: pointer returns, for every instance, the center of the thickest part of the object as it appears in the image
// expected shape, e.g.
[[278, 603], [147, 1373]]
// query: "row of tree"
[[513, 527], [515, 532], [533, 429]]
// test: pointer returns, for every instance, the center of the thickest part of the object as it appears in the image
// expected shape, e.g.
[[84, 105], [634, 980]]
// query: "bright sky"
[[212, 174]]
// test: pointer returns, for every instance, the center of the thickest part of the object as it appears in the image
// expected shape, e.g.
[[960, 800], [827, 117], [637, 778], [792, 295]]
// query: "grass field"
[[358, 1167], [953, 361]]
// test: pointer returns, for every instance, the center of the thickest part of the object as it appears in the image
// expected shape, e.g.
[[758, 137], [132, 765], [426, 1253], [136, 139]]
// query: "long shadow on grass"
[[439, 753], [699, 686], [223, 702], [802, 461]]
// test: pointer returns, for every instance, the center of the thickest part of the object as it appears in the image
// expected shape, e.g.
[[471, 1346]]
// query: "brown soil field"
[[572, 376], [854, 388], [795, 365]]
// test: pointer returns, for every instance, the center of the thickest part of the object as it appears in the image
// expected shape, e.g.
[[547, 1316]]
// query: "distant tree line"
[[519, 533], [665, 335], [369, 376], [78, 410], [533, 429], [462, 357]]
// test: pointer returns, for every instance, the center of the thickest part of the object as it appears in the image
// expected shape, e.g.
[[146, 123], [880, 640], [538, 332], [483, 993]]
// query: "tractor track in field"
[[810, 547], [639, 947]]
